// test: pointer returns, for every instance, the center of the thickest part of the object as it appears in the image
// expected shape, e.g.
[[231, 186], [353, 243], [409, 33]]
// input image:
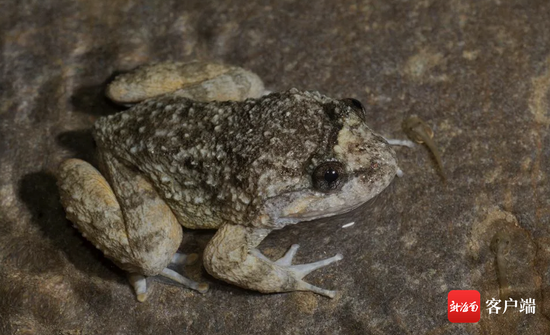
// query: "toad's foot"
[[299, 271], [139, 282], [171, 274], [232, 256], [185, 259], [403, 143]]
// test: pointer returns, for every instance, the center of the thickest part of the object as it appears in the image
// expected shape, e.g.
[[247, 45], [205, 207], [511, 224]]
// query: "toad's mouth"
[[308, 209], [318, 214], [307, 205]]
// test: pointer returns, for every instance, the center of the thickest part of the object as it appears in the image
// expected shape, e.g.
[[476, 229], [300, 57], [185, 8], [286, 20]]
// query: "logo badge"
[[463, 306]]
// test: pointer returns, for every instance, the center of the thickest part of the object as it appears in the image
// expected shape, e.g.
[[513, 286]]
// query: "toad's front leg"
[[232, 256]]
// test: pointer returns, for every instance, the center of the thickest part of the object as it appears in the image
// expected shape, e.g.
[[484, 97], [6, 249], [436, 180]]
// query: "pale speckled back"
[[217, 162]]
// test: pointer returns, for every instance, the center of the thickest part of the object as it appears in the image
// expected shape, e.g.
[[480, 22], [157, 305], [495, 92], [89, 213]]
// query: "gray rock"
[[478, 72]]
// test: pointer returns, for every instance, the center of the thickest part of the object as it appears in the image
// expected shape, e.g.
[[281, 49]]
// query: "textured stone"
[[478, 72]]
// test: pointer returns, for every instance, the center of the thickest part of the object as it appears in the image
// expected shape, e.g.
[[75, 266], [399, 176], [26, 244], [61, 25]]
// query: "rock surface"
[[477, 71]]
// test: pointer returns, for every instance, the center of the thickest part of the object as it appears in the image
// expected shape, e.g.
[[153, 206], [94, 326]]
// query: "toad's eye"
[[329, 176], [355, 104]]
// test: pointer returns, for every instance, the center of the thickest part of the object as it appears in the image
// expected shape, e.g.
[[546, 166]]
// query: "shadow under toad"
[[93, 101], [40, 194], [90, 100], [80, 143]]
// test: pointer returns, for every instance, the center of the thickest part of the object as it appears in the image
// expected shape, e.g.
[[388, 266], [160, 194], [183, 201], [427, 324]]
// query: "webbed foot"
[[299, 271], [232, 256]]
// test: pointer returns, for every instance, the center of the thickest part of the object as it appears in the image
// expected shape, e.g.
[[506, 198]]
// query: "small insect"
[[418, 131]]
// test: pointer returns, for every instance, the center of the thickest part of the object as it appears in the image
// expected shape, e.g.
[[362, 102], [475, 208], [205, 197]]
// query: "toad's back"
[[217, 162]]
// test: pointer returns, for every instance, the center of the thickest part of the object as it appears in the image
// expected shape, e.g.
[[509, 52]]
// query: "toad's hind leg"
[[232, 256], [196, 80], [136, 230]]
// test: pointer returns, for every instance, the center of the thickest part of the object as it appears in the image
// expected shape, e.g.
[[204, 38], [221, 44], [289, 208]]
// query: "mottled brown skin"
[[244, 168], [212, 169]]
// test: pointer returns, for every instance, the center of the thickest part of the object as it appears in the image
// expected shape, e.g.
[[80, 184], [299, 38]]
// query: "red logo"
[[463, 306]]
